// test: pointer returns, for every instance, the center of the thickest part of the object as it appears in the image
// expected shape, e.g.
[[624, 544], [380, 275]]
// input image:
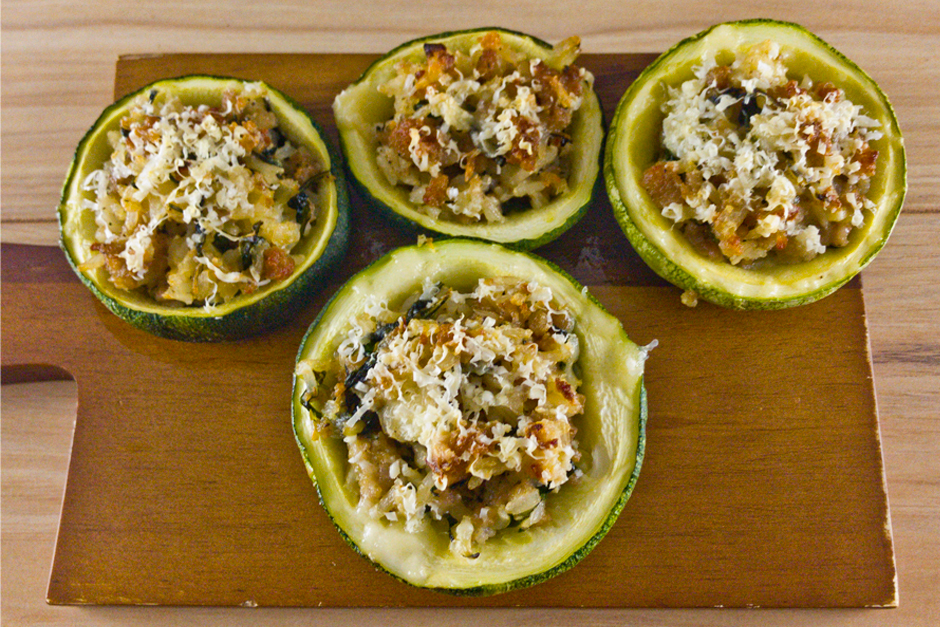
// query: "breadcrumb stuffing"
[[458, 409], [759, 164], [478, 133], [197, 204]]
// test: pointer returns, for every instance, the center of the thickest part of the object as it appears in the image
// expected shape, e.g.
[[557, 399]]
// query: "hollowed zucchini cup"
[[611, 431], [361, 107], [246, 314], [633, 145]]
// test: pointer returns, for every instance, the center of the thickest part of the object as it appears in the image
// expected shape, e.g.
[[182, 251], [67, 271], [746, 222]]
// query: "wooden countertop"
[[58, 73]]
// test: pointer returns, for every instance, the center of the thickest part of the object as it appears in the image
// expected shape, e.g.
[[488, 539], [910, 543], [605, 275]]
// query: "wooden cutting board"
[[762, 485]]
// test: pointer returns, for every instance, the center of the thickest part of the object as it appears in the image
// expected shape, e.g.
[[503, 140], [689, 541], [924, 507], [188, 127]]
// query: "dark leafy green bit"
[[248, 245], [268, 157], [749, 108], [424, 307], [421, 308], [301, 205], [749, 104], [223, 244], [306, 400], [381, 331], [370, 422], [357, 376], [303, 201], [431, 49], [201, 239]]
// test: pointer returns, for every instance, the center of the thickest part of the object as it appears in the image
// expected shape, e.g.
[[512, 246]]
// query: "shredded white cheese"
[[481, 389], [747, 140], [493, 137], [192, 197]]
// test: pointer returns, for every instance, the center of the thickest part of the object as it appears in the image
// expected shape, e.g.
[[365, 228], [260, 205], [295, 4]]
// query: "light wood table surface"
[[58, 60]]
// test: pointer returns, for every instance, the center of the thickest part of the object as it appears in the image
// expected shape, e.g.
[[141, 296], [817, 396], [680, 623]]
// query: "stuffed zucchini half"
[[473, 420], [755, 166], [204, 208], [487, 134]]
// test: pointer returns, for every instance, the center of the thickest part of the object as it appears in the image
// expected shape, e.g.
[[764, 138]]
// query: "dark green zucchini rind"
[[612, 431], [245, 315], [360, 107], [633, 145]]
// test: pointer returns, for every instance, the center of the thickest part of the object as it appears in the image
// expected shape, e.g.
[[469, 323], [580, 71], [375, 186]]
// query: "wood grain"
[[594, 251], [760, 496], [185, 486], [57, 74]]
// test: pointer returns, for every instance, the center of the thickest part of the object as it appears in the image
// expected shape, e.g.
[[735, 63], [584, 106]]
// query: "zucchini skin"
[[190, 324], [689, 278], [393, 211], [308, 451]]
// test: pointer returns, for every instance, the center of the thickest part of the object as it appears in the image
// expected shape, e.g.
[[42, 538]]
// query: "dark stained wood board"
[[762, 485]]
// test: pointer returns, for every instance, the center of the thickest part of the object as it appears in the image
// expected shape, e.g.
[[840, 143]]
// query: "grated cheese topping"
[[198, 204], [474, 130], [758, 164], [461, 396]]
